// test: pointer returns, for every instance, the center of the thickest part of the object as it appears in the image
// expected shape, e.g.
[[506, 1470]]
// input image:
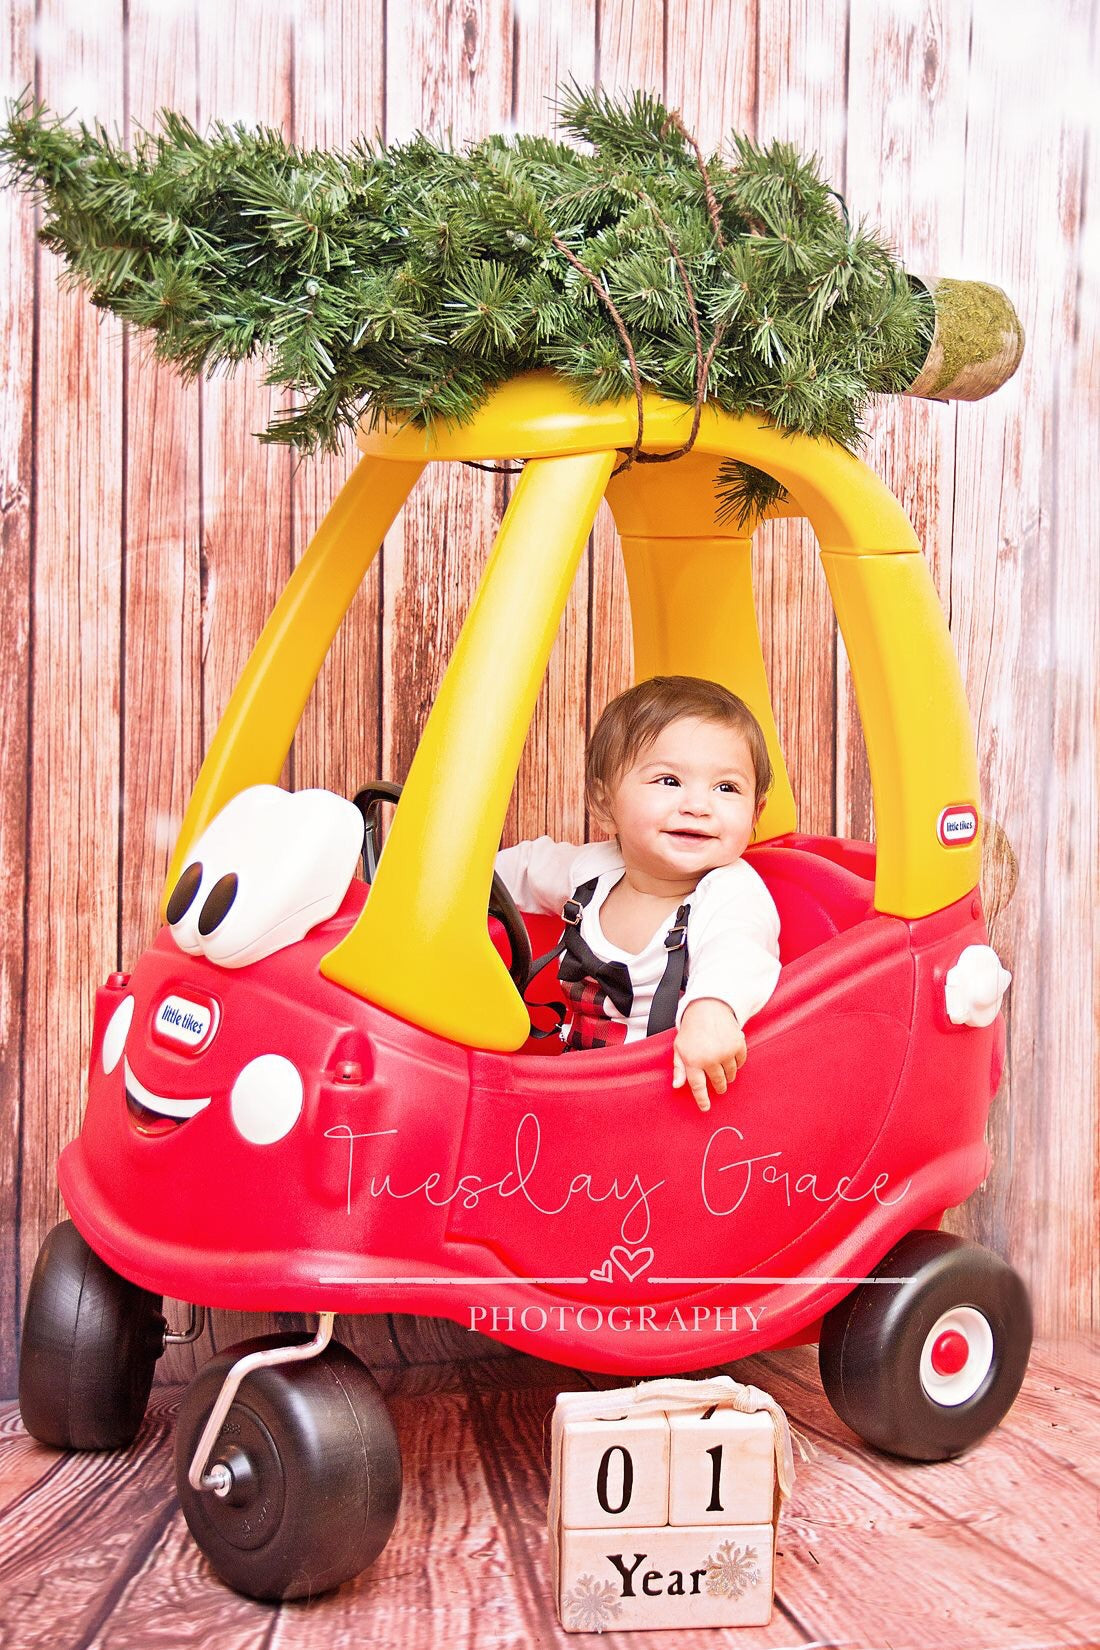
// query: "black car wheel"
[[313, 1472], [925, 1362], [91, 1341]]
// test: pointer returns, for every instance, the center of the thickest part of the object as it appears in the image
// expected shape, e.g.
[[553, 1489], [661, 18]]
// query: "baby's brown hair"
[[633, 721]]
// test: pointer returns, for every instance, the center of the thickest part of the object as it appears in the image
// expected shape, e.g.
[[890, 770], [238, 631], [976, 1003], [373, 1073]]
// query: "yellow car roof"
[[420, 947]]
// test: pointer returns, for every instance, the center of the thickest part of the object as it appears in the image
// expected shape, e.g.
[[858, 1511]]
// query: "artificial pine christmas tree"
[[407, 281]]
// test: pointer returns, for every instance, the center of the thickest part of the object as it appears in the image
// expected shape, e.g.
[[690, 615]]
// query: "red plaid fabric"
[[591, 1026]]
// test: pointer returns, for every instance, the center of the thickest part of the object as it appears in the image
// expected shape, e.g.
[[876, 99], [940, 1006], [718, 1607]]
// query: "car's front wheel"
[[309, 1472], [91, 1341]]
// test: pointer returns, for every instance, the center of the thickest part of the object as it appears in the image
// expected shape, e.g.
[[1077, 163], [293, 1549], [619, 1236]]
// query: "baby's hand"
[[709, 1043]]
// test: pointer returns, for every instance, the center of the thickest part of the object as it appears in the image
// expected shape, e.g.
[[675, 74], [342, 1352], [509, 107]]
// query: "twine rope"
[[702, 362]]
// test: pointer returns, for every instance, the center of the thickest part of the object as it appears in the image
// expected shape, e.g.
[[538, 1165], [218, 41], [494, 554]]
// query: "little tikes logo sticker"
[[957, 825], [182, 1021]]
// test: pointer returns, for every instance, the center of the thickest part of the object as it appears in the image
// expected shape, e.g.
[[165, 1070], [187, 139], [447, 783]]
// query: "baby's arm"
[[710, 1045], [734, 968], [536, 874]]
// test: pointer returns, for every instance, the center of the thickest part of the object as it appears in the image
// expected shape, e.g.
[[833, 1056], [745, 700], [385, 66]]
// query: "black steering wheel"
[[501, 904]]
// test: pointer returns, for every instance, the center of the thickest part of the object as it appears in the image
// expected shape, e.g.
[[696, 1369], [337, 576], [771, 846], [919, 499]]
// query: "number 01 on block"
[[662, 1520]]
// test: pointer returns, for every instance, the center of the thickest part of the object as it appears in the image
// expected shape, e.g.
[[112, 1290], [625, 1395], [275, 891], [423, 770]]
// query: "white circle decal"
[[118, 1029], [266, 1101]]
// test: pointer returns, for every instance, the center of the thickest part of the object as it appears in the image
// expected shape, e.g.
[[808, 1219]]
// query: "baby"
[[677, 770]]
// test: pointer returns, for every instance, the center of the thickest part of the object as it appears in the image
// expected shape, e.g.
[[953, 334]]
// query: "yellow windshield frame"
[[420, 947], [252, 741]]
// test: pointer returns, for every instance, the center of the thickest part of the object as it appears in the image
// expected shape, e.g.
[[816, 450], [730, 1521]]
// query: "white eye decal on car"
[[265, 871], [181, 911]]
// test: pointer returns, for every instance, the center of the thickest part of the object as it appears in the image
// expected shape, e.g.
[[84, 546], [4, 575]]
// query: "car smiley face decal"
[[152, 1112], [267, 869], [264, 1098]]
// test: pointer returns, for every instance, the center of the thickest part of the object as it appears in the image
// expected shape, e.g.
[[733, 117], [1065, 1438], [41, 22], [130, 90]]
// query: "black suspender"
[[579, 962], [662, 1013]]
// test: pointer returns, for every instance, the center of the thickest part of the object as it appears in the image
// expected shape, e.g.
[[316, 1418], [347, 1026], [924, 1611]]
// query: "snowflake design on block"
[[591, 1605], [732, 1570]]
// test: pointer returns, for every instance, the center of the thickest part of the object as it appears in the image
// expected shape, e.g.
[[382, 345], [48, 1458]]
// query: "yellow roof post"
[[691, 598], [920, 744], [421, 946]]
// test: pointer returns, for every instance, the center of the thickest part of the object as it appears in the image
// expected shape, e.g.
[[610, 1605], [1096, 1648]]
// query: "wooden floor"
[[999, 1550]]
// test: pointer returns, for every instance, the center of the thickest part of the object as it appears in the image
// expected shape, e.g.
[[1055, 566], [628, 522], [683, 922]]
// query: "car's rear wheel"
[[925, 1359], [91, 1341]]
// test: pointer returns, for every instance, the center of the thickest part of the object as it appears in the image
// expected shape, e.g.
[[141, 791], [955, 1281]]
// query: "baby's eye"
[[666, 779], [727, 785]]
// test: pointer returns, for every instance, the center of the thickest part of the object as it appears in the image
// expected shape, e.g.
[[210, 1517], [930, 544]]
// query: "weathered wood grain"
[[550, 43], [17, 380], [23, 1461], [1026, 633], [941, 1528], [337, 744], [801, 99], [1069, 852], [710, 70], [1079, 484], [161, 682], [72, 866], [174, 1600], [629, 54], [67, 1551], [170, 1596]]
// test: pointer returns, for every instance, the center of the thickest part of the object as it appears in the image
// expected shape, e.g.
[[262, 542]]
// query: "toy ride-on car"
[[317, 1096]]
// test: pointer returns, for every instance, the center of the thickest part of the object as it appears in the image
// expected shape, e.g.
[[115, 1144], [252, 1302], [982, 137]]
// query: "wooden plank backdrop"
[[145, 533]]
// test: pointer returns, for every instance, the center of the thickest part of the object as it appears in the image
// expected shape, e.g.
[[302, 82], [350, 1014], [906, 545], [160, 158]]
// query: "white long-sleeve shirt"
[[732, 937]]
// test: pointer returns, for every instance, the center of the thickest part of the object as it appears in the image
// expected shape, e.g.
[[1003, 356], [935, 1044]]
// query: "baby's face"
[[687, 804]]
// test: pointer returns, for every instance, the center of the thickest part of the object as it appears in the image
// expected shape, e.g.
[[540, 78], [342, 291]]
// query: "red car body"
[[578, 1207]]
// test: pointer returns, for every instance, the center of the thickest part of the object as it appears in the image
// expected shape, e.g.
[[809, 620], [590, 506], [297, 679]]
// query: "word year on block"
[[661, 1518], [678, 1576]]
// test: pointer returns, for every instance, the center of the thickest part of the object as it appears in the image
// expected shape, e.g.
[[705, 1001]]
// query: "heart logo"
[[602, 1274], [631, 1262]]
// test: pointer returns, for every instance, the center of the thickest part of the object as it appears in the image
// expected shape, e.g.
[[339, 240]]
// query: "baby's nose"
[[695, 804]]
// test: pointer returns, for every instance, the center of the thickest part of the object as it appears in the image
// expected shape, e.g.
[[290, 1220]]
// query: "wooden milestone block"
[[722, 1467], [613, 1472], [618, 1580]]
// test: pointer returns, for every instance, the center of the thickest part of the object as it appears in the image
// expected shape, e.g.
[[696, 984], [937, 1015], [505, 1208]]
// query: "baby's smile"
[[685, 806]]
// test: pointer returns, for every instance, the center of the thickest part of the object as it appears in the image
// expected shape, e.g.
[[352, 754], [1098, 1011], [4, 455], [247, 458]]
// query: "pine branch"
[[410, 280]]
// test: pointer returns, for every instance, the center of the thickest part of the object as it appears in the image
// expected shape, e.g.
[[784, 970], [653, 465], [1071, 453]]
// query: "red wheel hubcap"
[[950, 1352]]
